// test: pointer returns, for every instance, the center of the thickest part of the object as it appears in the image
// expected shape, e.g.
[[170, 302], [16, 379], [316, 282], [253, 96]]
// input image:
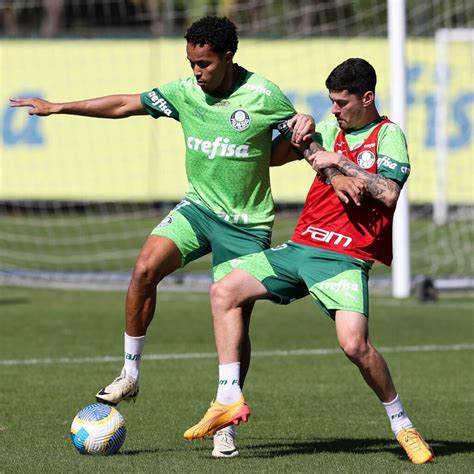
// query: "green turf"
[[310, 413]]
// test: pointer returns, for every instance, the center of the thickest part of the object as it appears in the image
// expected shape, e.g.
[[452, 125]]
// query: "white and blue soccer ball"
[[98, 429]]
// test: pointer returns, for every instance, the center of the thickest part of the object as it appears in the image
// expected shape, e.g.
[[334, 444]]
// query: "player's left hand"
[[324, 159], [348, 188], [38, 106], [303, 127]]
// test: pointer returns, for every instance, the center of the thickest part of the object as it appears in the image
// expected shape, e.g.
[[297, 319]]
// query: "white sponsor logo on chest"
[[258, 88], [221, 146]]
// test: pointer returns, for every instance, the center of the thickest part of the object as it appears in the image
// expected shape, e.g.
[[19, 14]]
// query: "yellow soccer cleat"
[[415, 446], [217, 417]]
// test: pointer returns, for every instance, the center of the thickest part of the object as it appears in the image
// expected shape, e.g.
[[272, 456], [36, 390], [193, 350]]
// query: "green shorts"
[[197, 231], [292, 271]]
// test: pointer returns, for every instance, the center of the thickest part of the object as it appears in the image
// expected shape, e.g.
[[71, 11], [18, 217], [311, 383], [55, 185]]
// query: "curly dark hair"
[[355, 75], [218, 32]]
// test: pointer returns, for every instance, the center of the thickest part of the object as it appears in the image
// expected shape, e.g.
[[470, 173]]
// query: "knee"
[[221, 295], [145, 273], [356, 350]]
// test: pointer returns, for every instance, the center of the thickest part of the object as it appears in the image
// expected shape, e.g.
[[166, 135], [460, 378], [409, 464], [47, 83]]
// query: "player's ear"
[[228, 56], [368, 98]]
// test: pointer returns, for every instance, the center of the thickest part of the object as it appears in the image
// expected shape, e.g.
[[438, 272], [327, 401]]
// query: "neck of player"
[[229, 80]]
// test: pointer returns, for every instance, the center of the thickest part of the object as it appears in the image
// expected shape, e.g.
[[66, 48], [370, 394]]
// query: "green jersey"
[[228, 142]]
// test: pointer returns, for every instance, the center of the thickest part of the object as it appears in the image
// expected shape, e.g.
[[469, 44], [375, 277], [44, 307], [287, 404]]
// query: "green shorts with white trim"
[[197, 231], [291, 271]]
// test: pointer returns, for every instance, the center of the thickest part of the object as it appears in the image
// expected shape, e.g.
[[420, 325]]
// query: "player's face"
[[350, 110], [209, 68]]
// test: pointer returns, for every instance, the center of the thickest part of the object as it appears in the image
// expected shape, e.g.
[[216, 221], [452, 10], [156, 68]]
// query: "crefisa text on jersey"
[[221, 146]]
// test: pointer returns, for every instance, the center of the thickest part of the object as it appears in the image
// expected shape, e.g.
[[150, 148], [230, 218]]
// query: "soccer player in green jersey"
[[329, 254], [227, 114]]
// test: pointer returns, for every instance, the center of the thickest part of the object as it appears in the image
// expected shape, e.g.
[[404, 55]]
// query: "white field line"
[[212, 355]]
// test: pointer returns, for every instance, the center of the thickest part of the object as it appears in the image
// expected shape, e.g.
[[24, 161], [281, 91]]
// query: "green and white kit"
[[291, 271], [228, 143], [228, 209], [196, 231]]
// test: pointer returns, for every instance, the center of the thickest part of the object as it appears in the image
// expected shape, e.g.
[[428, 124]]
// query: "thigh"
[[351, 326], [158, 257], [241, 288], [277, 270]]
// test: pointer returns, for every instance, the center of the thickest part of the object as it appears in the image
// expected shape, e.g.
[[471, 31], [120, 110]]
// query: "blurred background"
[[78, 196], [155, 18]]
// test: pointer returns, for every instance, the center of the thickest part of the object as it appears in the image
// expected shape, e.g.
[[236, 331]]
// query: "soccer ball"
[[98, 429]]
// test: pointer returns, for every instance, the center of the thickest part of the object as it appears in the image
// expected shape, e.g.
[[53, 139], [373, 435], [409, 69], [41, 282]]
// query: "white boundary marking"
[[213, 355]]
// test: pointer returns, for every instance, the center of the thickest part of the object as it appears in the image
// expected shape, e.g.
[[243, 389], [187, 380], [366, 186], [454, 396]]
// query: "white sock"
[[229, 388], [397, 416], [133, 354]]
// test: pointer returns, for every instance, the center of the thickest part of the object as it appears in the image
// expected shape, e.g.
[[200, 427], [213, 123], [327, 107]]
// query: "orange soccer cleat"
[[415, 446], [217, 417]]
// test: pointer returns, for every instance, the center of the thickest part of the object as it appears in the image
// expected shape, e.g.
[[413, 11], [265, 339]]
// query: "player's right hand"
[[348, 188], [40, 107], [302, 126]]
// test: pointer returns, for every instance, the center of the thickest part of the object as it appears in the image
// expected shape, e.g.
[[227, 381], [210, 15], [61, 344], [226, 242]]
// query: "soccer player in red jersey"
[[330, 253]]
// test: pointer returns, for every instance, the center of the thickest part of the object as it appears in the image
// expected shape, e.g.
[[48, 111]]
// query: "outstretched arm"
[[111, 106], [379, 188]]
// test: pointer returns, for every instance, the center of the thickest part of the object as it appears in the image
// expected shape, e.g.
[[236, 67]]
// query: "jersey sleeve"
[[325, 134], [159, 102], [393, 161], [283, 110]]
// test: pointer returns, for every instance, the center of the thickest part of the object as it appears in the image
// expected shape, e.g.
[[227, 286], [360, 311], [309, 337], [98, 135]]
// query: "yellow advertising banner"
[[140, 159]]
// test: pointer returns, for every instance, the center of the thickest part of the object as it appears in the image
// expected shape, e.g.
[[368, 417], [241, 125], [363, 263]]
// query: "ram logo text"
[[327, 236]]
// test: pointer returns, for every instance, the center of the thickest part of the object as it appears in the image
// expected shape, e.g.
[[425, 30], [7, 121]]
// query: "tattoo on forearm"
[[313, 148], [330, 173], [380, 188]]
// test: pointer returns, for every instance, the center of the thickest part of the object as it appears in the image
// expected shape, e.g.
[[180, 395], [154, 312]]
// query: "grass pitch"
[[311, 411]]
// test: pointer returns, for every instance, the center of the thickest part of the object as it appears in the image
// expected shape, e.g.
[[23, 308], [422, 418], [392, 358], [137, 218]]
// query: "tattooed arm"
[[379, 188], [346, 187]]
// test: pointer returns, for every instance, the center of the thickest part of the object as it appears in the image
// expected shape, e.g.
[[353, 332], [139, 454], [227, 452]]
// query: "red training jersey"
[[363, 232]]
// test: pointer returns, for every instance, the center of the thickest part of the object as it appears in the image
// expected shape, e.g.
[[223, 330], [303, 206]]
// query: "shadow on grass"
[[12, 301], [134, 452], [283, 447], [266, 448]]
